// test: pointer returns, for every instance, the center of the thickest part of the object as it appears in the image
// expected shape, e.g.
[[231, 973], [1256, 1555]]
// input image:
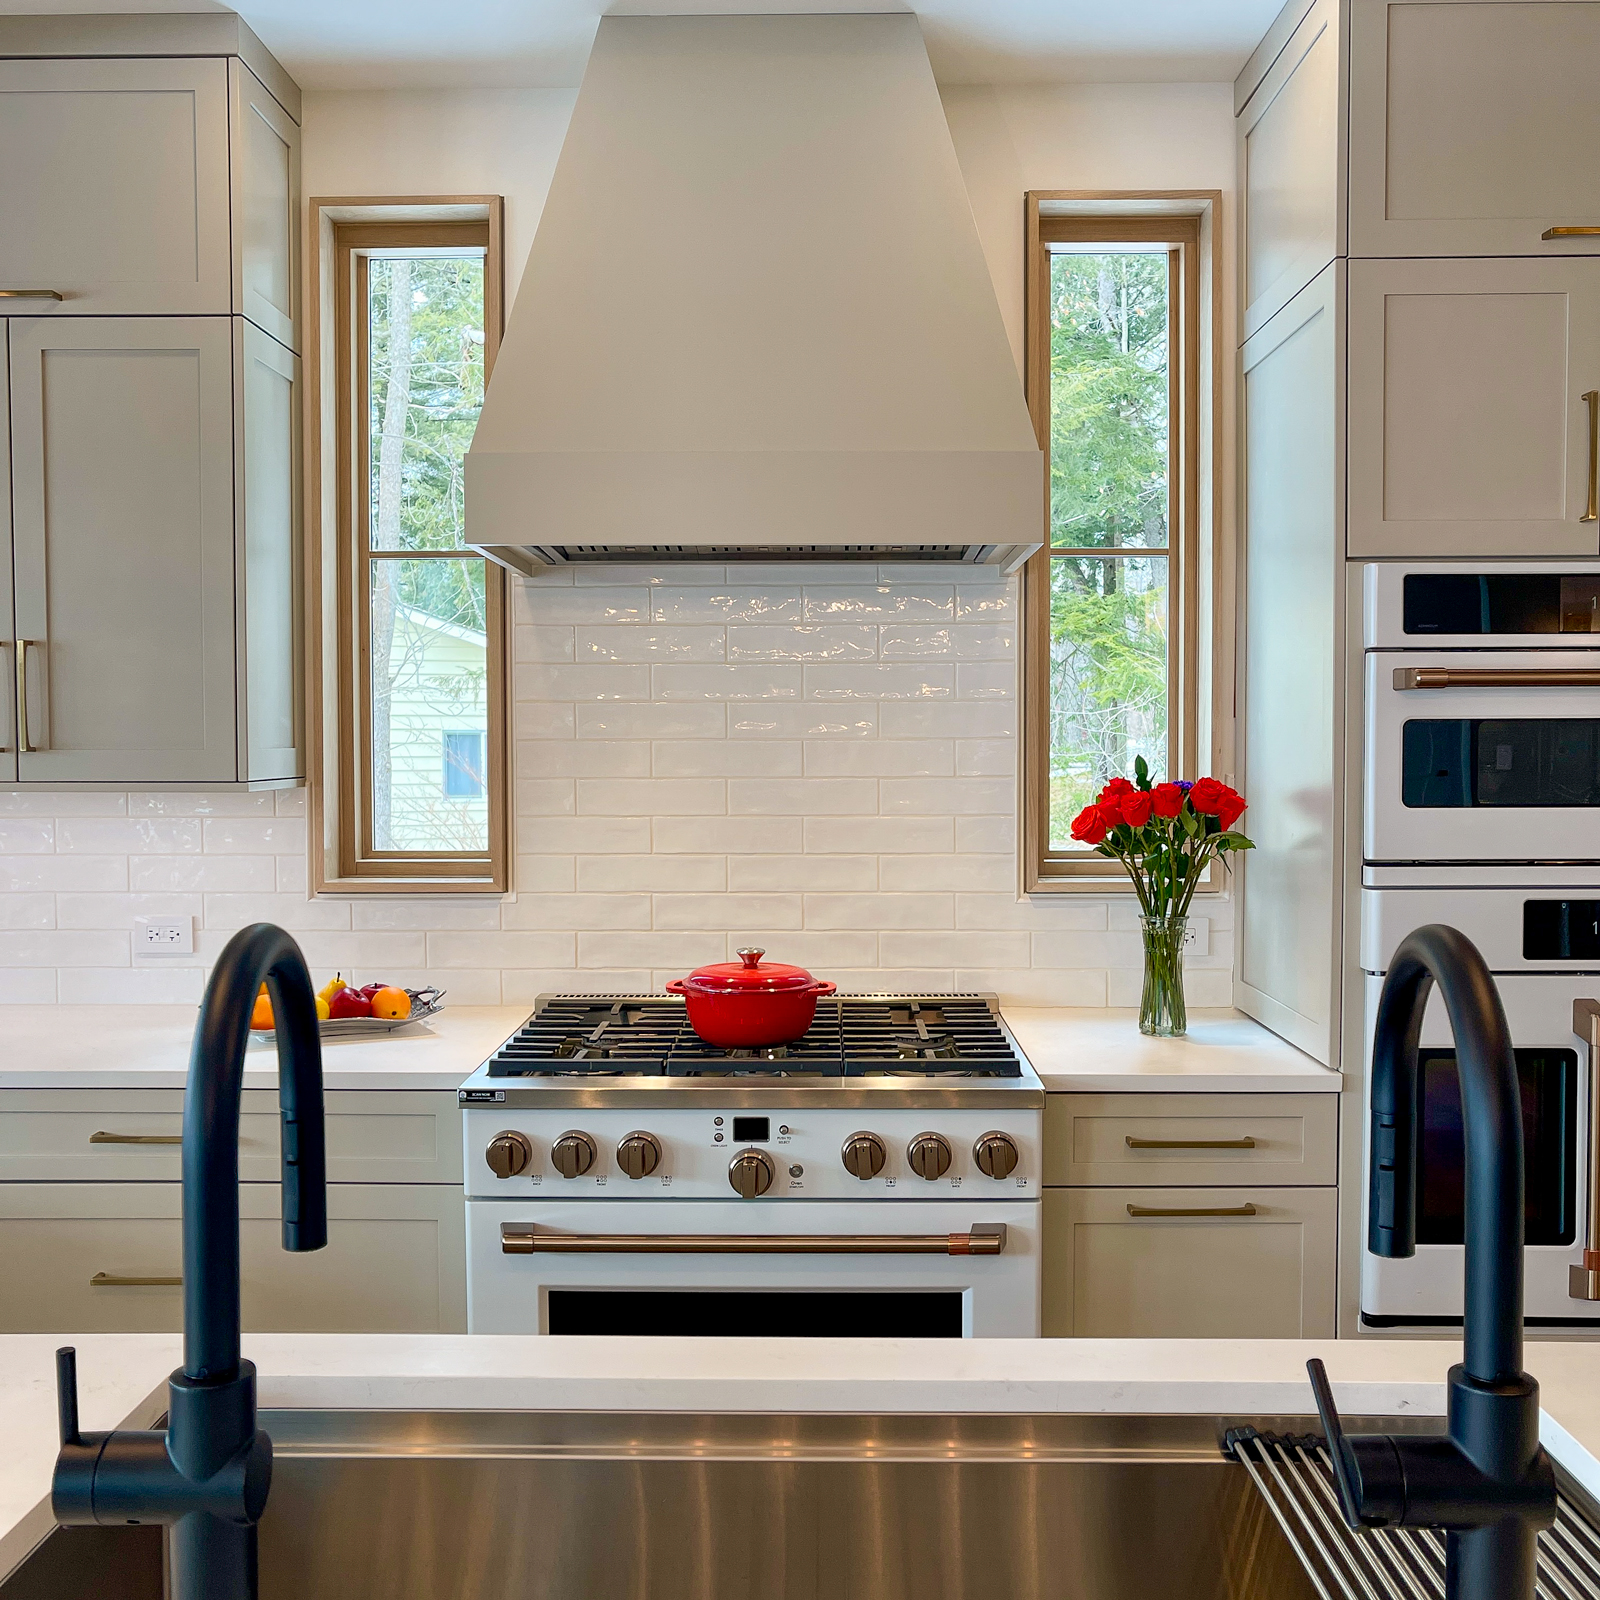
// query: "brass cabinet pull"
[[23, 745], [1496, 678], [1583, 1282], [1246, 1210], [1586, 231], [118, 1280], [101, 1137], [1246, 1143], [523, 1239], [30, 294], [1592, 511]]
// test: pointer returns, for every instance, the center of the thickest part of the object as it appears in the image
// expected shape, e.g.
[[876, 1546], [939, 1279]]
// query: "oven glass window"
[[788, 1314], [1501, 602], [1521, 762], [1561, 930], [1549, 1136]]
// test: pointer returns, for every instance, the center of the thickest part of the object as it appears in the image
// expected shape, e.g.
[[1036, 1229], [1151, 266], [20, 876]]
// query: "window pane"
[[1108, 677], [430, 706], [425, 388], [1108, 399]]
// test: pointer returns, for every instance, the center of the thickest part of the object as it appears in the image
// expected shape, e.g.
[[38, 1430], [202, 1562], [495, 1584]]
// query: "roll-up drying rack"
[[1295, 1477]]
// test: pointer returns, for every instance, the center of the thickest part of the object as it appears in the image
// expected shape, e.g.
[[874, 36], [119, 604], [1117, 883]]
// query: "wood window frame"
[[1199, 722], [338, 568]]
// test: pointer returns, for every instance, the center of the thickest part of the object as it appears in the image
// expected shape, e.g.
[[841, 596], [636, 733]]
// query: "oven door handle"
[[523, 1239], [1496, 678], [1583, 1282]]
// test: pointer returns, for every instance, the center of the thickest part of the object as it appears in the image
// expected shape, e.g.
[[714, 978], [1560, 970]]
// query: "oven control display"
[[752, 1130]]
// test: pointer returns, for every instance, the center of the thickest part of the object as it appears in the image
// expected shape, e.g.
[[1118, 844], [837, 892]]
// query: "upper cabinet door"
[[1289, 169], [8, 686], [114, 186], [123, 541], [266, 185], [1468, 433], [1473, 126]]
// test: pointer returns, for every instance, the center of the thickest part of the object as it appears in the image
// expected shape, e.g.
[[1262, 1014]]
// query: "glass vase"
[[1162, 1011]]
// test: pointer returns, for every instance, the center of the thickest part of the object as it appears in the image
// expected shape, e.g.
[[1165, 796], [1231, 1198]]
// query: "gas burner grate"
[[852, 1036]]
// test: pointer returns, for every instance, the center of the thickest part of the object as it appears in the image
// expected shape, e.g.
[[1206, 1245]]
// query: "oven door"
[[1482, 755], [1557, 1090], [721, 1267]]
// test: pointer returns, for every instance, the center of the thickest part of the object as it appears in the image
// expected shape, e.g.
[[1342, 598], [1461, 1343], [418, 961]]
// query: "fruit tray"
[[425, 1003]]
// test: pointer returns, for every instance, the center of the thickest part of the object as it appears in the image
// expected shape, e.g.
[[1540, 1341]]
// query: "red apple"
[[349, 1003], [370, 989]]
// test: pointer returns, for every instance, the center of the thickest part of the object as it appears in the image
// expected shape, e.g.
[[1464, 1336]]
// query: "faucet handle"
[[67, 1395], [1367, 1470], [1345, 1476]]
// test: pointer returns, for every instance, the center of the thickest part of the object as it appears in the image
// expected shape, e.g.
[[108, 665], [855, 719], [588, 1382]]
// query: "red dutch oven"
[[749, 1004]]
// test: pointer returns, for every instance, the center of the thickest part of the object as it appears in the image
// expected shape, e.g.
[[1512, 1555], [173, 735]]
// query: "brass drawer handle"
[[523, 1239], [102, 1137], [1496, 677], [1246, 1210], [1246, 1143], [1584, 232], [117, 1280], [24, 746], [1592, 512], [30, 294]]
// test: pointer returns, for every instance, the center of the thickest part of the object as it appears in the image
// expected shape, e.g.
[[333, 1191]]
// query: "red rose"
[[1135, 807], [1231, 809], [1089, 826], [1208, 796], [1114, 790], [1167, 799]]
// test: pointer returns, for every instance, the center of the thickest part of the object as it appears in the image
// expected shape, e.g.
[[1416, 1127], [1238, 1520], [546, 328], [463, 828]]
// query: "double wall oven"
[[1482, 810]]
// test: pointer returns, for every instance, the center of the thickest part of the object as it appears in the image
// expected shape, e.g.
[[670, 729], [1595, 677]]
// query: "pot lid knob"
[[751, 957]]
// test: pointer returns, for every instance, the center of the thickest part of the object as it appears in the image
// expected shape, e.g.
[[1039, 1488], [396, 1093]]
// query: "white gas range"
[[878, 1176]]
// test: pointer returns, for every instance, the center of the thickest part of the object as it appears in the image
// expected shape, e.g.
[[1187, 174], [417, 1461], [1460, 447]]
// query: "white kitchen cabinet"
[[1468, 432], [8, 703], [71, 1255], [1176, 1263], [1473, 126]]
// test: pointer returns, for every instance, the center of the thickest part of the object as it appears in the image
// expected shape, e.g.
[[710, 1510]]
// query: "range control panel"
[[820, 1154]]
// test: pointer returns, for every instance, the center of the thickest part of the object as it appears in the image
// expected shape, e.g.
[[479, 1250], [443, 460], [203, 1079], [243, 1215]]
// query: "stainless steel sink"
[[568, 1506]]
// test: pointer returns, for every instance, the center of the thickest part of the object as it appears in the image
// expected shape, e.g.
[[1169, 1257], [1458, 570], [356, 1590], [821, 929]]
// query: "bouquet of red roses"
[[1164, 834]]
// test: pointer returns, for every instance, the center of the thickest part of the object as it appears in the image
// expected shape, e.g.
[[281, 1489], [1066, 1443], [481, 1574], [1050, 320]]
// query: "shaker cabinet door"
[[122, 496], [1473, 126], [1468, 430], [266, 186], [114, 186], [8, 632]]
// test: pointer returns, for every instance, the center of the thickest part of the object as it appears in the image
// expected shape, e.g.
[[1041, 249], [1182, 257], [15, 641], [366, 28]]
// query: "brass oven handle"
[[1496, 678], [1246, 1210], [523, 1239], [24, 747], [1583, 1282], [1584, 232], [1246, 1143], [30, 294], [117, 1280], [101, 1137], [1592, 511]]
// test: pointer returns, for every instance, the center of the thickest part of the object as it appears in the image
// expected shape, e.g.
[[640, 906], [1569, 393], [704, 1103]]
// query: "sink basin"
[[673, 1506]]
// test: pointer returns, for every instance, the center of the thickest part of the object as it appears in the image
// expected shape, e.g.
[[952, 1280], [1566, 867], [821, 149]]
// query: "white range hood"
[[756, 322]]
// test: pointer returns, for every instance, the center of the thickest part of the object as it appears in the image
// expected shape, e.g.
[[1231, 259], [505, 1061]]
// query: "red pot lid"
[[749, 975]]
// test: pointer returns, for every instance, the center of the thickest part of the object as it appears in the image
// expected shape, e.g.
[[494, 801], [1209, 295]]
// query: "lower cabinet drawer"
[[70, 1255], [1189, 1263], [374, 1136]]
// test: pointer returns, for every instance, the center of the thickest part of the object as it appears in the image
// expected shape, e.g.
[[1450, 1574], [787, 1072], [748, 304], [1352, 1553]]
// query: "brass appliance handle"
[[523, 1239], [101, 1137], [118, 1280], [1583, 1281], [1246, 1210], [1496, 678], [1584, 232], [30, 294], [1592, 510], [1246, 1143], [24, 746]]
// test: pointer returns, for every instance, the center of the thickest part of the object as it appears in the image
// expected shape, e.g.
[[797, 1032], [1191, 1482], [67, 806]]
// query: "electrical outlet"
[[1197, 940], [164, 936]]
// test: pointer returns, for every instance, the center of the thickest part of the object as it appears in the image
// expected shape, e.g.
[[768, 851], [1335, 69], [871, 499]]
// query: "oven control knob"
[[573, 1154], [639, 1154], [508, 1153], [996, 1155], [750, 1173], [864, 1155], [929, 1155]]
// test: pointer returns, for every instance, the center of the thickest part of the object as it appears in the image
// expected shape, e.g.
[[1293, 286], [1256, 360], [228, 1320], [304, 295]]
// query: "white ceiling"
[[543, 43]]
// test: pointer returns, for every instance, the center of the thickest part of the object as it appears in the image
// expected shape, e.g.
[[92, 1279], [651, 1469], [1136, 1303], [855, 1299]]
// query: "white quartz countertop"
[[147, 1047], [1101, 1050], [122, 1380]]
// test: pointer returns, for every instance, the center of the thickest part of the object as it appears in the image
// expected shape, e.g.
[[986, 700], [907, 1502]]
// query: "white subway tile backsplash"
[[818, 760]]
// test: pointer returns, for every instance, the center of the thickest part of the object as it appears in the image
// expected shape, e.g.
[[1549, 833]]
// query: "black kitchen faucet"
[[207, 1476], [1487, 1482]]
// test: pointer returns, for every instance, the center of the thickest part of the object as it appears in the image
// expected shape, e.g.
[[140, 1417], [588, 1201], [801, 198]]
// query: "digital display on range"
[[752, 1130]]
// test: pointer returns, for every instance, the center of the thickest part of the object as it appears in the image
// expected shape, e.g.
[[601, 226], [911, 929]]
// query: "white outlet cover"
[[1197, 941], [163, 936]]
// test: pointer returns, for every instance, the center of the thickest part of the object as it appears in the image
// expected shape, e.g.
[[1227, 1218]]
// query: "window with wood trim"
[[1111, 664], [421, 637]]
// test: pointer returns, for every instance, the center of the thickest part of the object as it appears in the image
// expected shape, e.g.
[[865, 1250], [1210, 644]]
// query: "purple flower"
[[1185, 784]]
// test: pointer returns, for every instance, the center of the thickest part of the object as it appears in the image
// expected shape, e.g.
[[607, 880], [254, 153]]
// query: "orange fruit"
[[392, 1003], [261, 1016]]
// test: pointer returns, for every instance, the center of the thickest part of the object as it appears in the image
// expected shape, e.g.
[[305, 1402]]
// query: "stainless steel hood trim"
[[604, 1094]]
